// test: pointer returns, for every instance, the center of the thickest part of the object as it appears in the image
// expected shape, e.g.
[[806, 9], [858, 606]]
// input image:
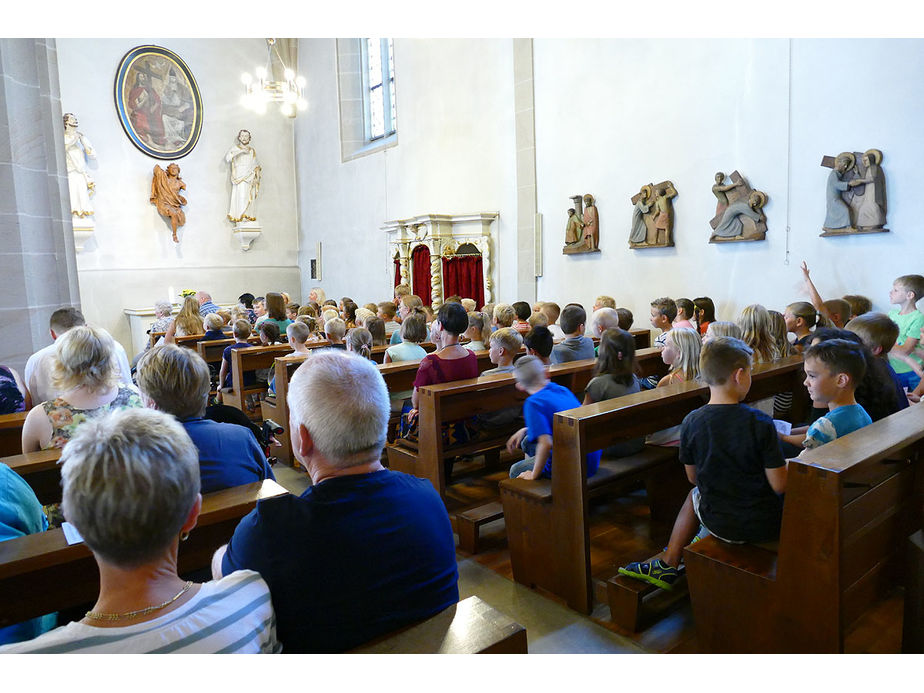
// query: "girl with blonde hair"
[[359, 341], [755, 332], [188, 322], [681, 352]]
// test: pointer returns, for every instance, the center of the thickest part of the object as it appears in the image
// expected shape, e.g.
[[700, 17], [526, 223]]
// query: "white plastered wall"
[[455, 155], [612, 115], [132, 260]]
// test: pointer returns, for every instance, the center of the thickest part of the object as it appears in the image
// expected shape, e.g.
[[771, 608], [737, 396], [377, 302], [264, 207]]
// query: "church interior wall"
[[132, 260], [613, 115], [455, 155]]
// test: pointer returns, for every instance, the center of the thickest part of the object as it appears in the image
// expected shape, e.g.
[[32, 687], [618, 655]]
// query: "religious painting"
[[158, 102]]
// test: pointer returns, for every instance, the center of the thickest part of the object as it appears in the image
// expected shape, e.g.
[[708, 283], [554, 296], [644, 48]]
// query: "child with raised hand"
[[505, 345], [614, 376], [905, 293], [478, 332], [681, 352], [800, 318], [730, 452], [833, 369]]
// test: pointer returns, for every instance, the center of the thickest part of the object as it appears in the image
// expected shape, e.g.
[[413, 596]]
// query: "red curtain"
[[420, 261], [397, 271], [462, 276]]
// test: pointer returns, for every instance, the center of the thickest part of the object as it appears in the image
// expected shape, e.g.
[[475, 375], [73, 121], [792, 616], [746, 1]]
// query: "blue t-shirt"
[[352, 558], [249, 377], [573, 349], [211, 335], [21, 514], [228, 455], [836, 424], [539, 410]]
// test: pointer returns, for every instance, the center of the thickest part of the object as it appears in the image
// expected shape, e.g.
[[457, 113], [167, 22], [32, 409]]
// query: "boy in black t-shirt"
[[731, 453]]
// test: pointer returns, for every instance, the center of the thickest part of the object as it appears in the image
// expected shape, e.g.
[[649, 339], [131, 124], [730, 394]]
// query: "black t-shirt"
[[731, 445]]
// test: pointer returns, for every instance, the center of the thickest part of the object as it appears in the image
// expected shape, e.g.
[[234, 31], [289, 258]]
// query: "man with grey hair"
[[545, 400], [205, 303], [39, 367], [603, 319], [365, 550]]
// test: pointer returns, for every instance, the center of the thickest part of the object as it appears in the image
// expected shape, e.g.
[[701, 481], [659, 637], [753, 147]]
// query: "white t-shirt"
[[37, 376], [232, 615]]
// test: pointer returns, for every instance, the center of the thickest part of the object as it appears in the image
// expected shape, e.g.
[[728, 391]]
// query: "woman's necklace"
[[97, 616]]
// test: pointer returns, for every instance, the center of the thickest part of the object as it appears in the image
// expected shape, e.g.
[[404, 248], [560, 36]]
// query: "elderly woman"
[[87, 376], [131, 488], [163, 316]]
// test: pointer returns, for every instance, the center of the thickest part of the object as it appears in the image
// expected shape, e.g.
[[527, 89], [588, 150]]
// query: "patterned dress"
[[65, 418]]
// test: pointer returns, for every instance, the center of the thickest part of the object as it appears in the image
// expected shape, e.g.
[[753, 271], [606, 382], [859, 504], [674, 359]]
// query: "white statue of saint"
[[80, 185], [245, 180]]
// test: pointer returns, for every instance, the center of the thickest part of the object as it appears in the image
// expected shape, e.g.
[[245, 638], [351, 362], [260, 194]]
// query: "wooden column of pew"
[[243, 361], [41, 573], [11, 433], [849, 508], [547, 520]]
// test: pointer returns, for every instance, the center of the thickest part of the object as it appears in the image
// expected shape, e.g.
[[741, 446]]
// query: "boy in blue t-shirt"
[[833, 369], [544, 401]]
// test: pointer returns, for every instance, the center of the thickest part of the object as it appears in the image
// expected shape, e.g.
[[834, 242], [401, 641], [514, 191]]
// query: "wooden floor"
[[621, 531]]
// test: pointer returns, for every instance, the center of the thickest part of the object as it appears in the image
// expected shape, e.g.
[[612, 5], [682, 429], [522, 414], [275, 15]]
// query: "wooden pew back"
[[11, 433], [41, 573], [245, 360]]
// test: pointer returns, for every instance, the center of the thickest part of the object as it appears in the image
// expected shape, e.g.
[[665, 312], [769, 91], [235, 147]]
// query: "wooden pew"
[[547, 520], [469, 627], [398, 378], [11, 433], [41, 471], [243, 361], [213, 349], [642, 338], [849, 508], [41, 574]]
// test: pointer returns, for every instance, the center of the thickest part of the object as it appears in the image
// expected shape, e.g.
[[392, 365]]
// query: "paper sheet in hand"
[[782, 427], [71, 534]]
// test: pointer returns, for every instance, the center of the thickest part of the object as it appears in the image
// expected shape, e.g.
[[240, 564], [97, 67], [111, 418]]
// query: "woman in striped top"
[[131, 488]]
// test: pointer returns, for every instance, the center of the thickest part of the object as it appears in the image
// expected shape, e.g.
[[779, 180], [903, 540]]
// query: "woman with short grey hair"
[[131, 488]]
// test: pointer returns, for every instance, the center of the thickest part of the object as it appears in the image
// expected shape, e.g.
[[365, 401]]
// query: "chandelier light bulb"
[[287, 109], [290, 74], [261, 72], [300, 81]]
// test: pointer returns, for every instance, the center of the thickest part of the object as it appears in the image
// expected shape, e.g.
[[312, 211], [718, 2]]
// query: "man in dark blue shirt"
[[365, 550], [176, 380]]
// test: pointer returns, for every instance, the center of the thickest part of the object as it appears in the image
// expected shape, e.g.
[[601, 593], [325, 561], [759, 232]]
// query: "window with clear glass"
[[379, 88]]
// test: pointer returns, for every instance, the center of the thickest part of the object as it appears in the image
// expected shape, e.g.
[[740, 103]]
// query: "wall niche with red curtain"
[[441, 255], [420, 274], [463, 274]]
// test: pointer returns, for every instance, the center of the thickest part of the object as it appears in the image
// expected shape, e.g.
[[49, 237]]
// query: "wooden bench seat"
[[549, 537], [244, 361], [849, 508], [469, 627], [41, 573], [41, 471]]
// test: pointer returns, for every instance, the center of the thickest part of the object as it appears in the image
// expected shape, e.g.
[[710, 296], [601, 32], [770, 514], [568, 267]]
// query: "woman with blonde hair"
[[755, 325], [87, 376], [681, 352], [188, 322]]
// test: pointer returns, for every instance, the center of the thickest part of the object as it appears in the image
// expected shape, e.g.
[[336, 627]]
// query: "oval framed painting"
[[158, 102]]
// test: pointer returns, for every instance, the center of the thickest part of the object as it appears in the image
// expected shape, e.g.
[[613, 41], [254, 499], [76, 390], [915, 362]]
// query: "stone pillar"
[[524, 105], [39, 267]]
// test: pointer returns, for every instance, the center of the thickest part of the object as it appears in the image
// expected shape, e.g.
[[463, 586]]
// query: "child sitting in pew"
[[213, 324], [575, 346], [505, 345], [539, 343], [359, 341], [478, 332], [721, 328], [241, 333], [730, 452], [413, 332], [551, 311], [297, 333], [800, 319], [833, 369], [625, 318], [879, 333], [906, 292], [614, 376], [334, 330], [523, 311], [545, 400], [681, 352], [504, 315]]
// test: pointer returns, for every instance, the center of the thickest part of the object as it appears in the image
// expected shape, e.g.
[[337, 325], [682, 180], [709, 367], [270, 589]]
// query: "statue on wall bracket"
[[78, 152], [246, 173], [582, 232], [653, 216], [739, 214], [165, 194], [855, 195]]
